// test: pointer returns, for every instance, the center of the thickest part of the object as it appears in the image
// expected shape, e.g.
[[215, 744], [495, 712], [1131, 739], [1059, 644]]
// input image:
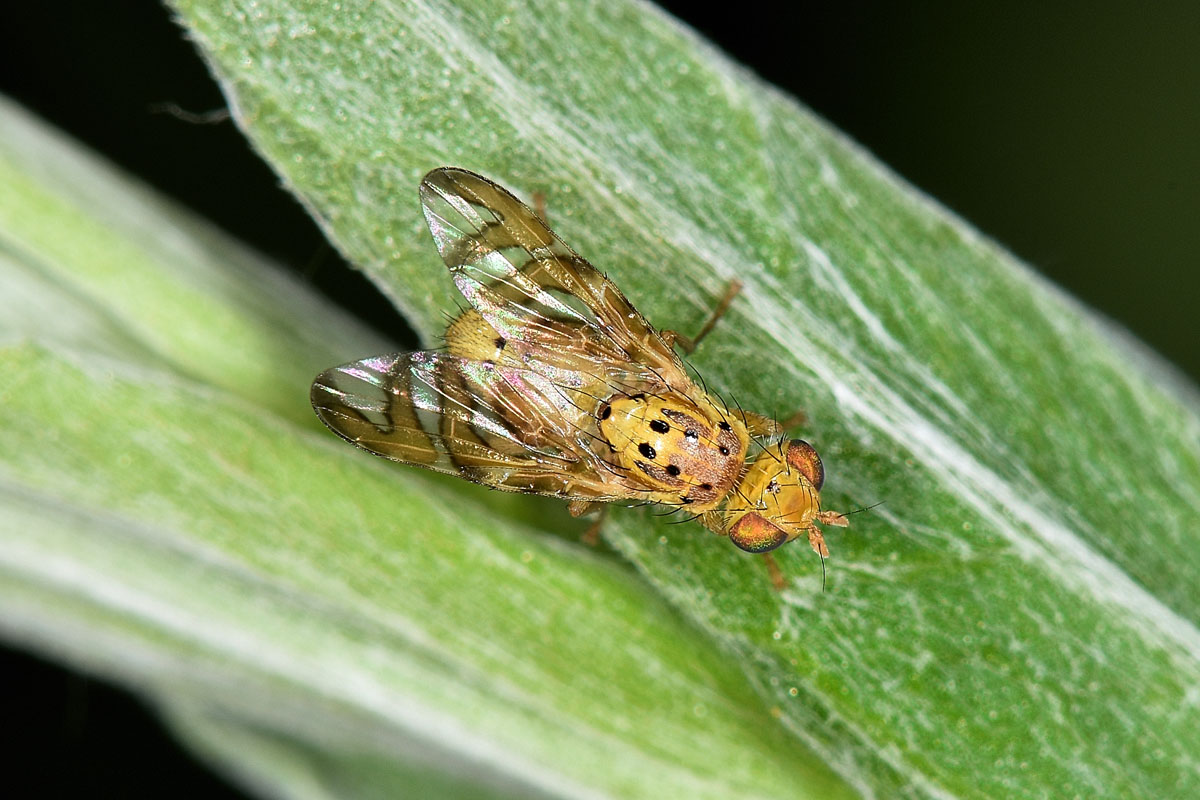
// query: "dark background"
[[1070, 134]]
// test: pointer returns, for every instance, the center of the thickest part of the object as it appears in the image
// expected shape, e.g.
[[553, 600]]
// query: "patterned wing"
[[508, 428], [534, 289]]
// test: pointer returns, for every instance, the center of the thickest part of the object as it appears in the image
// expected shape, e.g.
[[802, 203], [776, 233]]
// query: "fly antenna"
[[868, 508]]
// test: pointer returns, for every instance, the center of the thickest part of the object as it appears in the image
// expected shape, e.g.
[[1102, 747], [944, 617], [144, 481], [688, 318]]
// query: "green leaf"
[[317, 622], [1019, 617], [97, 266]]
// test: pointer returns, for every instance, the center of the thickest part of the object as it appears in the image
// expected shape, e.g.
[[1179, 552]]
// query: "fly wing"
[[504, 427], [534, 289]]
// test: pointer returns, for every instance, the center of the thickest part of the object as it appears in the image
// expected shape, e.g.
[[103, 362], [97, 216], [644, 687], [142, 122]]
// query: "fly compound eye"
[[754, 533], [802, 456]]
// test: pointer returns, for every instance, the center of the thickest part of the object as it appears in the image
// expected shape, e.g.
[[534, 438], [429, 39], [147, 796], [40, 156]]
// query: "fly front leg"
[[794, 421], [715, 522], [778, 580], [673, 338], [762, 425]]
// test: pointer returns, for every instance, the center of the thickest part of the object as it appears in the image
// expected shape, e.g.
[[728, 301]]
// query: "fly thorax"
[[678, 448]]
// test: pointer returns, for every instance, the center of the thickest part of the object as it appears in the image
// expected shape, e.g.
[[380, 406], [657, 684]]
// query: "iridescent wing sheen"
[[497, 425], [535, 290]]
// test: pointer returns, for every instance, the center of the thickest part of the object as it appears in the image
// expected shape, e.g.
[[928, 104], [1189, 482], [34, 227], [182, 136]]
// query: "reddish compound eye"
[[802, 456], [755, 534]]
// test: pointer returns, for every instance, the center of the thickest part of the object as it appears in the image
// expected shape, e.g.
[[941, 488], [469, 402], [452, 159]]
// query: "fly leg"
[[539, 207], [687, 345], [577, 508], [775, 573]]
